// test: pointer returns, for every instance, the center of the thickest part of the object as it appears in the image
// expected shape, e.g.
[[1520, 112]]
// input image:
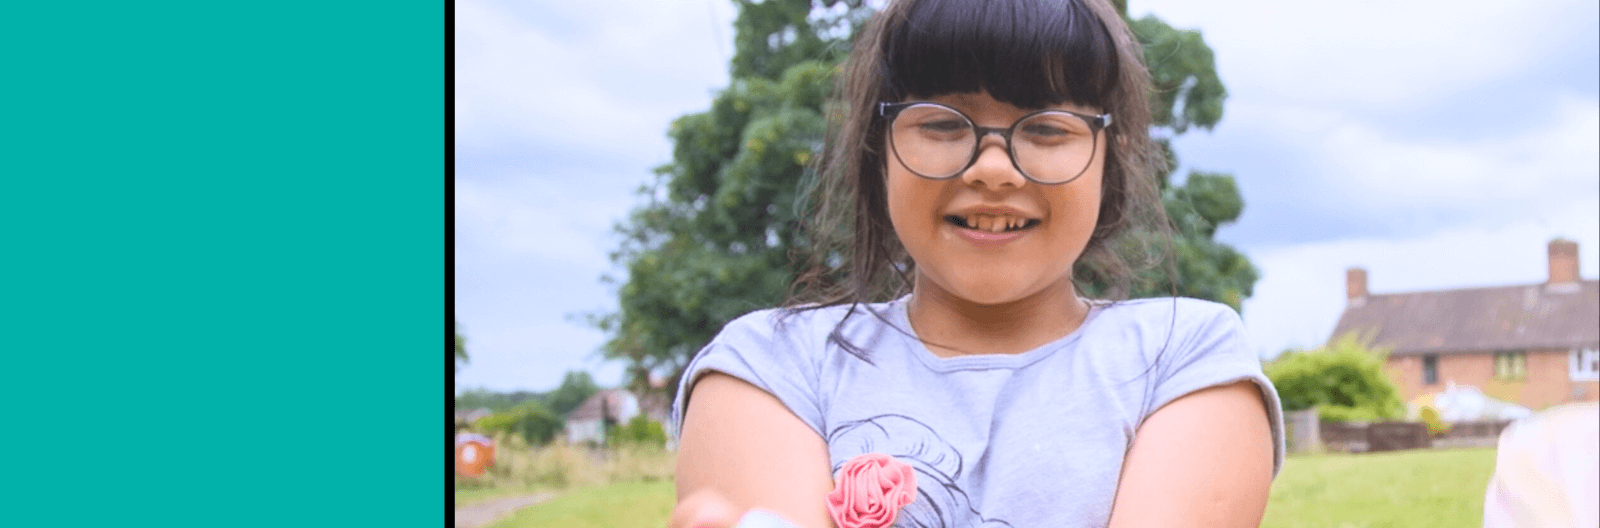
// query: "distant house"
[[608, 407], [1534, 345]]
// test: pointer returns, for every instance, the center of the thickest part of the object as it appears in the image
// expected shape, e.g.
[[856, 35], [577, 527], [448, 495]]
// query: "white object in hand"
[[763, 519]]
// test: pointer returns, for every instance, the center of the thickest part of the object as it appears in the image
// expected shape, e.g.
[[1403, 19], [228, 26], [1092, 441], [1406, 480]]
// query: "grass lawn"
[[1410, 489], [629, 505]]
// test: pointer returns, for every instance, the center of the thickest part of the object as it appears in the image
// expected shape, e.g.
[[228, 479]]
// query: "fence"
[[1343, 437], [1304, 432], [1480, 433]]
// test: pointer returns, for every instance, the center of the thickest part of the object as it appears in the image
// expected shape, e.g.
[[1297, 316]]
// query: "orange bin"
[[474, 454]]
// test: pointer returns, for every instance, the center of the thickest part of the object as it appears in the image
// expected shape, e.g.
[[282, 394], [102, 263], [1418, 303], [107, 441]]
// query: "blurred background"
[[1434, 145]]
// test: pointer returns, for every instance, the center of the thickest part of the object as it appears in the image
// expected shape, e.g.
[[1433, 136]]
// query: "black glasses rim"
[[891, 110]]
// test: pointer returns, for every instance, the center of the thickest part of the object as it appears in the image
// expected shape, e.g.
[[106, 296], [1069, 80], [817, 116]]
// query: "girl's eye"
[[944, 126], [1049, 129], [944, 130], [1044, 131]]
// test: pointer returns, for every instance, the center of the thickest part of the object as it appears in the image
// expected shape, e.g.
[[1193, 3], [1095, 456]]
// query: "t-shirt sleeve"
[[1214, 351], [765, 349]]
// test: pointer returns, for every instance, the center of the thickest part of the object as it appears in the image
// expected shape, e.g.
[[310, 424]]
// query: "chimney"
[[1563, 261], [1355, 285]]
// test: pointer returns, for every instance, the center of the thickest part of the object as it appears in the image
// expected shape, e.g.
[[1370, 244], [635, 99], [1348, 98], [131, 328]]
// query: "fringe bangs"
[[1027, 54]]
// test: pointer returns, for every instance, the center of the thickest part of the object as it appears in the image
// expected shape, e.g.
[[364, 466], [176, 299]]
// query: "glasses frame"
[[889, 111]]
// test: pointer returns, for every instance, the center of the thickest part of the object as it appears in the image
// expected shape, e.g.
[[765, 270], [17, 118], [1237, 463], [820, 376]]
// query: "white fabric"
[[1547, 471]]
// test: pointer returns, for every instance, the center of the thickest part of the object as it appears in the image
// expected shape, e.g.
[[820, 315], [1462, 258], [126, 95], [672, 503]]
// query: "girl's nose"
[[993, 168]]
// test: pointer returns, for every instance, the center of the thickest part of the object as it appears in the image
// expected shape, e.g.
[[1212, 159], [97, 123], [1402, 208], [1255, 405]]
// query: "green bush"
[[530, 420], [1343, 380], [639, 430]]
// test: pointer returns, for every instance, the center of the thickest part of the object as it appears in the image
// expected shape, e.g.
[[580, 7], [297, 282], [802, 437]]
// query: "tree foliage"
[[1344, 380], [495, 401], [716, 233], [531, 420], [576, 386], [1189, 94], [713, 239], [461, 343]]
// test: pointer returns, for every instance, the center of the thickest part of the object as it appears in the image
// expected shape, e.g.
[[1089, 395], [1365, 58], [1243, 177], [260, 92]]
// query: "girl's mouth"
[[991, 223]]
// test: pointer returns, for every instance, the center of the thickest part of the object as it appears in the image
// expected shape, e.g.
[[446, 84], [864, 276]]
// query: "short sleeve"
[[1210, 349], [769, 350]]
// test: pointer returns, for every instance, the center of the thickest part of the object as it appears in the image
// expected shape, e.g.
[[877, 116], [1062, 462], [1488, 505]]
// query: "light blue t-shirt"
[[1024, 440]]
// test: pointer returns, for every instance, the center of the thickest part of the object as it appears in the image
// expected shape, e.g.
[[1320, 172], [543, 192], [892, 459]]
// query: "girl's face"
[[949, 227]]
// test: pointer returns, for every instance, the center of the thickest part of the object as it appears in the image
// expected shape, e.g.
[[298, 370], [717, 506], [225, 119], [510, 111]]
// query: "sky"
[[1437, 144]]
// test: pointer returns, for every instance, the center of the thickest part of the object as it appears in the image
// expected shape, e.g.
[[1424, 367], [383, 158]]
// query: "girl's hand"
[[705, 509]]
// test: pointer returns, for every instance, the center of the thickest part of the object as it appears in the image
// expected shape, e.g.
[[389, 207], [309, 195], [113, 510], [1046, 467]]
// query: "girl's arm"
[[741, 448], [1203, 460]]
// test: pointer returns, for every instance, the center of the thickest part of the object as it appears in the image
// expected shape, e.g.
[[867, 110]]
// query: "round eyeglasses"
[[937, 142]]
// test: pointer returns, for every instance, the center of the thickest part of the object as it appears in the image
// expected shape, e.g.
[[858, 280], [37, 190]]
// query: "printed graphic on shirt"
[[940, 501]]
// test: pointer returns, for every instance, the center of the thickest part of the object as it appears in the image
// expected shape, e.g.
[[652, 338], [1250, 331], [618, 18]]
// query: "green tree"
[[482, 399], [1189, 94], [461, 344], [713, 239], [1344, 380], [576, 386], [496, 401], [531, 420], [715, 235]]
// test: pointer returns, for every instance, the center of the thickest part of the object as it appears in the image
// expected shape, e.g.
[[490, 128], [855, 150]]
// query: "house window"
[[1510, 365], [1584, 364], [1430, 370]]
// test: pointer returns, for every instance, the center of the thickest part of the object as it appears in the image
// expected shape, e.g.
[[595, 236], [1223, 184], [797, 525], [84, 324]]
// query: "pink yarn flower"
[[869, 491]]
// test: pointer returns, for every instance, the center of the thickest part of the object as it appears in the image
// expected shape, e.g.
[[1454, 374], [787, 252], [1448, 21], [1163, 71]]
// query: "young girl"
[[991, 157]]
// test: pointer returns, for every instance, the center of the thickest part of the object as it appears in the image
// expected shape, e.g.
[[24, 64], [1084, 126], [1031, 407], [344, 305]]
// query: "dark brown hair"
[[1027, 53]]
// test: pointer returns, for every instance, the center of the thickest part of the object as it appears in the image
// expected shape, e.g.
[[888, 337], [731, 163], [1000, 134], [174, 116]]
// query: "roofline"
[[1580, 280]]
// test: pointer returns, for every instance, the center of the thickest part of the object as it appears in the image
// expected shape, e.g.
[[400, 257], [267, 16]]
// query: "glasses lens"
[[1053, 147], [932, 141]]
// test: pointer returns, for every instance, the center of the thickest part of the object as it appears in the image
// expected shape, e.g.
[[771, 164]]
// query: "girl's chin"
[[989, 294]]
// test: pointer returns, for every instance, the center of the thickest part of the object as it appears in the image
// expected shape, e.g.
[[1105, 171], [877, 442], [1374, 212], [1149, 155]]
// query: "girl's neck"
[[950, 326]]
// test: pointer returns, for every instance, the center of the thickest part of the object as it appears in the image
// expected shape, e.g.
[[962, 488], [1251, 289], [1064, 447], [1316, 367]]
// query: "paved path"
[[483, 513]]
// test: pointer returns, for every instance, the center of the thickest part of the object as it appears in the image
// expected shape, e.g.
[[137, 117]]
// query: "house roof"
[[1471, 320]]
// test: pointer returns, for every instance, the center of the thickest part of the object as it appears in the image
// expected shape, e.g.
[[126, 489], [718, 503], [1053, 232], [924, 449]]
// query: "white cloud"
[[1302, 291], [551, 223], [1373, 52], [611, 84], [1380, 170], [592, 87]]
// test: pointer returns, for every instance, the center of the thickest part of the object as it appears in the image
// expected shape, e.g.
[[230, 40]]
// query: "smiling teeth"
[[993, 223]]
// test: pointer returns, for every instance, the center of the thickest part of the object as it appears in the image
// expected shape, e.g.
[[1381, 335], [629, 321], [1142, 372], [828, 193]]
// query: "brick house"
[[1536, 345]]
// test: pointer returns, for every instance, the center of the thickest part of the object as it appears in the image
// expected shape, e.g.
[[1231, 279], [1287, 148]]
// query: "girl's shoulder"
[[1175, 312]]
